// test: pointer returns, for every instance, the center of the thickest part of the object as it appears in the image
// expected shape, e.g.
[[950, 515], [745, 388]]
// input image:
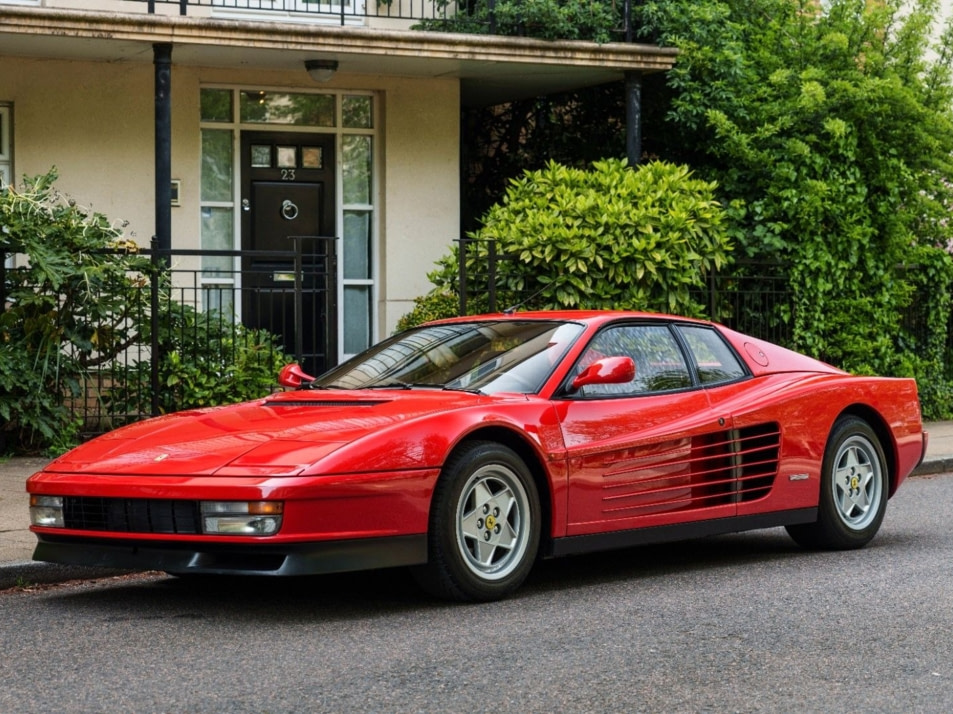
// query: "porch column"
[[633, 117], [162, 54]]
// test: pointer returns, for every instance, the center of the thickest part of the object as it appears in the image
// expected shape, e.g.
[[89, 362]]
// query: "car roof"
[[592, 317]]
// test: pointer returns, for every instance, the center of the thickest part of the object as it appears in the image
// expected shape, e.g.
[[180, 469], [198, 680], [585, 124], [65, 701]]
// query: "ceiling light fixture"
[[321, 70]]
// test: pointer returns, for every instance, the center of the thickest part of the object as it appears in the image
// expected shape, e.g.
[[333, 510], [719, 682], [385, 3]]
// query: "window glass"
[[503, 356], [357, 245], [216, 105], [216, 165], [357, 318], [356, 111], [357, 169], [6, 149], [284, 108], [312, 157], [216, 235], [715, 359], [659, 363]]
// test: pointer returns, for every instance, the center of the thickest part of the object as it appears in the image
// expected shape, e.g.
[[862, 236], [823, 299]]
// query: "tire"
[[484, 525], [854, 486]]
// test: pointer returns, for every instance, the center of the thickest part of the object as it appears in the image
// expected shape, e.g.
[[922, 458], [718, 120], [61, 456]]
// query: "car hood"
[[280, 435]]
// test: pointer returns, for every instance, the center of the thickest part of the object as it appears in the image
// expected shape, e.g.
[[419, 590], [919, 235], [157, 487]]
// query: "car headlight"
[[46, 511], [247, 518]]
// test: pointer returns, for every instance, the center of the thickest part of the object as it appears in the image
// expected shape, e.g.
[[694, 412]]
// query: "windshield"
[[486, 356]]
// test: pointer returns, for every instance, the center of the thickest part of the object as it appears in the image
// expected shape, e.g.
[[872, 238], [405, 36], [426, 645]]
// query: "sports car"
[[466, 449]]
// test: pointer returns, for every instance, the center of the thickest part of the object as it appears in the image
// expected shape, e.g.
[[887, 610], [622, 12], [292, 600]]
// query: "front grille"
[[132, 515]]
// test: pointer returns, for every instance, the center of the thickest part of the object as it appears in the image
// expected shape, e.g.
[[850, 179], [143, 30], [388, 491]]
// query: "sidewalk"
[[16, 540]]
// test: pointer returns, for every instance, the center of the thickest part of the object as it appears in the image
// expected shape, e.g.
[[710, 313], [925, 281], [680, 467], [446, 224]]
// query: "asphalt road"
[[745, 623]]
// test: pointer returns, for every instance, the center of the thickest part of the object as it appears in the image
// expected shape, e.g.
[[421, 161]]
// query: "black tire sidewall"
[[836, 532], [446, 561]]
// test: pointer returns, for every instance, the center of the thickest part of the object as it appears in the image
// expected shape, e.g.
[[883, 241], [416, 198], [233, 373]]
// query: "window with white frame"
[[6, 156], [6, 143]]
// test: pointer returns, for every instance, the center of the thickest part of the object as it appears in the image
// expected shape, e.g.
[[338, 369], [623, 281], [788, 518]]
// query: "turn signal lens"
[[46, 511], [247, 518]]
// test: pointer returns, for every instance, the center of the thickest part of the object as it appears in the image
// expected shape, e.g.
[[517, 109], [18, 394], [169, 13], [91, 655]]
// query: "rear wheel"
[[484, 525], [853, 495]]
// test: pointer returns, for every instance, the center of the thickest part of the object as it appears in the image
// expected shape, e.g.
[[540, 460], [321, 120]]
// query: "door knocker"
[[289, 211]]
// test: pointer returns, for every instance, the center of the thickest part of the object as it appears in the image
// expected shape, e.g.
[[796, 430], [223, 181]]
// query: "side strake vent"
[[324, 403], [717, 469]]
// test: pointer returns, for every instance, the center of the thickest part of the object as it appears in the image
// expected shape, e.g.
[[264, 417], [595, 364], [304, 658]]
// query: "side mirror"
[[608, 370], [292, 376]]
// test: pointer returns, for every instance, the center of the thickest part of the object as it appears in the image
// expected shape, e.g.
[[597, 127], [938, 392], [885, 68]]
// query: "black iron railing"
[[457, 15], [197, 330], [341, 11]]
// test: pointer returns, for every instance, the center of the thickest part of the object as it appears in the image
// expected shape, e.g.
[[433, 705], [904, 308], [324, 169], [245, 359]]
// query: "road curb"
[[934, 466], [24, 573]]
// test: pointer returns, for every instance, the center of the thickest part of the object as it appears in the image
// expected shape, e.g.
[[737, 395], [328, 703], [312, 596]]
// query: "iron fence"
[[752, 297], [199, 329]]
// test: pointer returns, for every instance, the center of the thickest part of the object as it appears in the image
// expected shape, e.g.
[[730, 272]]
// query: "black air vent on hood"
[[324, 403]]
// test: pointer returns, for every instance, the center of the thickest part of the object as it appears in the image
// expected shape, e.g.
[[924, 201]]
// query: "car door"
[[649, 452]]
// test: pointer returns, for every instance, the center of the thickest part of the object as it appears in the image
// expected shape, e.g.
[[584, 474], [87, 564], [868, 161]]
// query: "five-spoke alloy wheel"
[[853, 495], [484, 525]]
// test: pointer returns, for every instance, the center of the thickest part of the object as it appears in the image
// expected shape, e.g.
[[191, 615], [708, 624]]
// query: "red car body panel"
[[363, 464]]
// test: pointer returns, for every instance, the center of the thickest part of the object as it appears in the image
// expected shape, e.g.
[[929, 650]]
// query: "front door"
[[288, 264]]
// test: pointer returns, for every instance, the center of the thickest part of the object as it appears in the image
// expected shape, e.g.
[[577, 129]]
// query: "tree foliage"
[[831, 124]]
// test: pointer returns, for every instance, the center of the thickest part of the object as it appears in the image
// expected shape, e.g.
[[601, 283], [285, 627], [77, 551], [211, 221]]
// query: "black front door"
[[288, 264]]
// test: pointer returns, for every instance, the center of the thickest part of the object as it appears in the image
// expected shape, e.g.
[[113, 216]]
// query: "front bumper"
[[182, 557]]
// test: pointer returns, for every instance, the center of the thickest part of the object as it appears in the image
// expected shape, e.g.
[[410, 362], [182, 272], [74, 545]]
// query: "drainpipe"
[[633, 117], [162, 53], [162, 241], [633, 97]]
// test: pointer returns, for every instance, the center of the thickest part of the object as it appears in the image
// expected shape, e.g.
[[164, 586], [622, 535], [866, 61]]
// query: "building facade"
[[362, 150]]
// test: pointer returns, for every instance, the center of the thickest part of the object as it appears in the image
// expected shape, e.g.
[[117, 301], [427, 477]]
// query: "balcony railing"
[[467, 16], [343, 11]]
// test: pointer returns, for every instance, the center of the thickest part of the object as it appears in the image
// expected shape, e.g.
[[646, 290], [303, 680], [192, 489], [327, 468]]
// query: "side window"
[[659, 363], [716, 361]]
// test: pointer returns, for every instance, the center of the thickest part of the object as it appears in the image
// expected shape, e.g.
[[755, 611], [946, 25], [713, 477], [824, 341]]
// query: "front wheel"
[[484, 525], [853, 495]]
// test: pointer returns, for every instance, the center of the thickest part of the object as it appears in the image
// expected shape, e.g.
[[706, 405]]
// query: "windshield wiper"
[[469, 390], [391, 384]]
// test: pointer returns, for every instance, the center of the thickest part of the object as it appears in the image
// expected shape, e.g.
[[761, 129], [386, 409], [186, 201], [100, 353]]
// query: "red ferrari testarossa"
[[468, 448]]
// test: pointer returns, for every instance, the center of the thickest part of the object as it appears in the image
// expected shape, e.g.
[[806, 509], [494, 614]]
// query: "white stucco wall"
[[422, 142]]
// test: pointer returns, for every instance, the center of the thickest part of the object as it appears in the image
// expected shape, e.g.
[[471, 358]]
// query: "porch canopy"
[[491, 69]]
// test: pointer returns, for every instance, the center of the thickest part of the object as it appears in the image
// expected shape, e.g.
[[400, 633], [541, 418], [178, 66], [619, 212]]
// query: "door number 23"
[[287, 174]]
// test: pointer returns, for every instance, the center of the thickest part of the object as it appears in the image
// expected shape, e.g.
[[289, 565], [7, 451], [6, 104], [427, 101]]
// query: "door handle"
[[289, 211], [246, 204]]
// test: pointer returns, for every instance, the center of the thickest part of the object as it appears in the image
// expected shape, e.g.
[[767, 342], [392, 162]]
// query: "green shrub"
[[72, 311], [66, 311], [206, 360], [610, 238], [432, 306]]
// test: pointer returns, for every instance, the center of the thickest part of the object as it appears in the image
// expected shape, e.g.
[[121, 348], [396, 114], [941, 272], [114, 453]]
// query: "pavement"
[[17, 569]]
